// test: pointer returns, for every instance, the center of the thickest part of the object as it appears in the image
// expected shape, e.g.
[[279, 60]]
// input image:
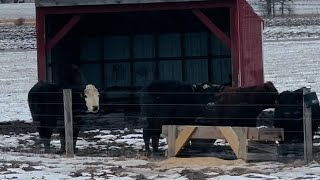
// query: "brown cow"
[[240, 106]]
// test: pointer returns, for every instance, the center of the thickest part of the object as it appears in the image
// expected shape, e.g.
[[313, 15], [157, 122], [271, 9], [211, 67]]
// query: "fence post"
[[68, 121], [307, 129], [171, 139]]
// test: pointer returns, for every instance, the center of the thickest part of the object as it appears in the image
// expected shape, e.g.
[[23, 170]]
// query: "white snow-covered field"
[[14, 11]]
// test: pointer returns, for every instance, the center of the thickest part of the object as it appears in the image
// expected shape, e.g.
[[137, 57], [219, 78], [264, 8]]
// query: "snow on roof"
[[44, 3]]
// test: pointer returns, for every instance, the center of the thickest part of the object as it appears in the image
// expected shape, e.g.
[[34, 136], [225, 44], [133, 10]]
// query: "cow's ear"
[[194, 87], [269, 86]]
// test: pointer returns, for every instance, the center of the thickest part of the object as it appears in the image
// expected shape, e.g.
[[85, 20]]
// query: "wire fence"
[[94, 127]]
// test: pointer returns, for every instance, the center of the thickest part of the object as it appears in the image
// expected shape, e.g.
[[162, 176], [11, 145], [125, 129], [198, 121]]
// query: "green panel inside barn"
[[124, 51]]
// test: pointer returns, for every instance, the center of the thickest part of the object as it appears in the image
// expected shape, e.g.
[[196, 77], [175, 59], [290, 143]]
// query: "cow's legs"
[[155, 143], [63, 139], [45, 137], [146, 138], [75, 137], [45, 132]]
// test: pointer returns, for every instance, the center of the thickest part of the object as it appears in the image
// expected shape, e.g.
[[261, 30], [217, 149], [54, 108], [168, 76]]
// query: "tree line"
[[270, 7]]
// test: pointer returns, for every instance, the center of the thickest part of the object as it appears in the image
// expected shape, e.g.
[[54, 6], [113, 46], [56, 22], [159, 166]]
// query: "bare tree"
[[270, 7], [265, 6], [285, 5]]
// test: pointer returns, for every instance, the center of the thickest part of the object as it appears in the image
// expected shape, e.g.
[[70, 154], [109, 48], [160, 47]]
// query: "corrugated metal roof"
[[48, 3]]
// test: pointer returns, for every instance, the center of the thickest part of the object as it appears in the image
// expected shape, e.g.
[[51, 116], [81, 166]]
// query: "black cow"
[[46, 106], [173, 102], [289, 115]]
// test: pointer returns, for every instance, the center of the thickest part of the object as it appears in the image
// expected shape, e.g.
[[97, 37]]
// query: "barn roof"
[[47, 3]]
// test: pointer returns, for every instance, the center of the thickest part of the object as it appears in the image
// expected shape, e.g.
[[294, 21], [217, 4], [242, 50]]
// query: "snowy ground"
[[117, 154], [14, 11]]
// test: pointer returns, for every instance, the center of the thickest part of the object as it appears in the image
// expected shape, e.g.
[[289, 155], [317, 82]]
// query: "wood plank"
[[213, 28], [307, 129], [182, 138], [68, 122], [56, 39], [41, 3], [207, 133], [171, 140], [41, 45], [232, 139], [242, 133], [253, 133], [266, 134], [84, 7], [267, 148]]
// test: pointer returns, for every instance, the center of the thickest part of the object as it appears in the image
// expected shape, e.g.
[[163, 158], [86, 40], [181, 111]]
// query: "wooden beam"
[[102, 8], [104, 2], [203, 132], [242, 133], [253, 133], [232, 139], [237, 137], [41, 45], [213, 28], [171, 132], [266, 148], [183, 137], [266, 134], [73, 21]]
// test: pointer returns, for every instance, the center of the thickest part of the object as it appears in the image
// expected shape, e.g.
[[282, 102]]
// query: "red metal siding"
[[41, 45], [251, 62]]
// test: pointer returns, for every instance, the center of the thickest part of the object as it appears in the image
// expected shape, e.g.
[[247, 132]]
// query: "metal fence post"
[[68, 121], [307, 129]]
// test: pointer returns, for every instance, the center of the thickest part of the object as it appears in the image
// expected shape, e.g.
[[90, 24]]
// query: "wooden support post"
[[307, 129], [182, 138], [242, 132], [237, 138], [68, 122], [171, 139]]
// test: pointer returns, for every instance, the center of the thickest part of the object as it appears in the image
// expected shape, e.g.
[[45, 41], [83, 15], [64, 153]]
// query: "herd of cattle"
[[174, 102]]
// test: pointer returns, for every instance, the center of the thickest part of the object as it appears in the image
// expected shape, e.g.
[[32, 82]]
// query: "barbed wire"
[[85, 128], [166, 92]]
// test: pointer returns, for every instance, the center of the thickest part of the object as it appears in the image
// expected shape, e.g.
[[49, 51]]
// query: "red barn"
[[126, 43]]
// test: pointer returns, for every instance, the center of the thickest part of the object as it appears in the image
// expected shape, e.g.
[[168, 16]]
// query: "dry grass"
[[17, 22]]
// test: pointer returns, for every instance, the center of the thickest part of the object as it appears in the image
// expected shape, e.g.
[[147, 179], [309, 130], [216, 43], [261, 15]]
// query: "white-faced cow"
[[172, 102], [46, 106]]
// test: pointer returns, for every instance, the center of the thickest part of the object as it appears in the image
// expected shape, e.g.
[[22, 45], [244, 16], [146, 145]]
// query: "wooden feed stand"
[[239, 138]]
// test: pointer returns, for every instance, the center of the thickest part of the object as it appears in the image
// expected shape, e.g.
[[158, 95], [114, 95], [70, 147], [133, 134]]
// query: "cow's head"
[[207, 91], [91, 96]]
